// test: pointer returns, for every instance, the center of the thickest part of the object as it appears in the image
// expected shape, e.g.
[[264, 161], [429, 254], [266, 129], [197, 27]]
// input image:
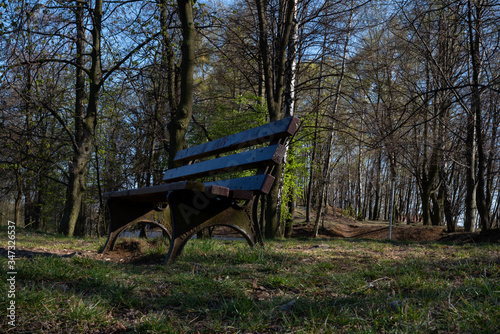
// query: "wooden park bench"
[[201, 193]]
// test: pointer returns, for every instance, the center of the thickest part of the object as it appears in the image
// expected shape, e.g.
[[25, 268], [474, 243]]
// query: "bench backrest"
[[273, 133]]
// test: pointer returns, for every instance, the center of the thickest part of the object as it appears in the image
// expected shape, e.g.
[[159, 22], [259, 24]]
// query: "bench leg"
[[125, 213], [193, 211]]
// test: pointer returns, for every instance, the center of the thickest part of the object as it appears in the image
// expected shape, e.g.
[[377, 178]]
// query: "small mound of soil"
[[371, 231], [493, 236], [338, 226], [128, 245], [129, 250]]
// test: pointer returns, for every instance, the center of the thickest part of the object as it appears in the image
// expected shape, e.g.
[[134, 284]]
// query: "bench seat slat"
[[265, 133], [159, 193], [256, 183], [260, 157], [155, 193]]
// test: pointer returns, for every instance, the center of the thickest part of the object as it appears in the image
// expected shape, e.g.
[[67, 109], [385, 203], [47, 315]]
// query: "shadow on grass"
[[21, 253]]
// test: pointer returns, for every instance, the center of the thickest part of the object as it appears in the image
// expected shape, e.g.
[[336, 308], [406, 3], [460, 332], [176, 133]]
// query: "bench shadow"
[[21, 253]]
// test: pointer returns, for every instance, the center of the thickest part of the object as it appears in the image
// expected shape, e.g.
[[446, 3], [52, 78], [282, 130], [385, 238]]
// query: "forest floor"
[[350, 279]]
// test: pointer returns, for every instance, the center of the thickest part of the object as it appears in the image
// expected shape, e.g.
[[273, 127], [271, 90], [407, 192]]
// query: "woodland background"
[[93, 92]]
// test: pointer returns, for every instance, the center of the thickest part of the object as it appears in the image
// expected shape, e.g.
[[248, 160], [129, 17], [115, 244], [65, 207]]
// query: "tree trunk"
[[358, 175], [291, 68], [437, 212], [309, 193], [475, 28], [180, 121], [291, 212], [426, 178], [326, 170], [85, 125], [274, 75], [376, 207], [315, 142], [470, 143], [490, 165], [19, 198]]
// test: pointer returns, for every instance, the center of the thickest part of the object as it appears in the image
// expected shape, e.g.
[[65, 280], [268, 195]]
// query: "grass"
[[290, 286]]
